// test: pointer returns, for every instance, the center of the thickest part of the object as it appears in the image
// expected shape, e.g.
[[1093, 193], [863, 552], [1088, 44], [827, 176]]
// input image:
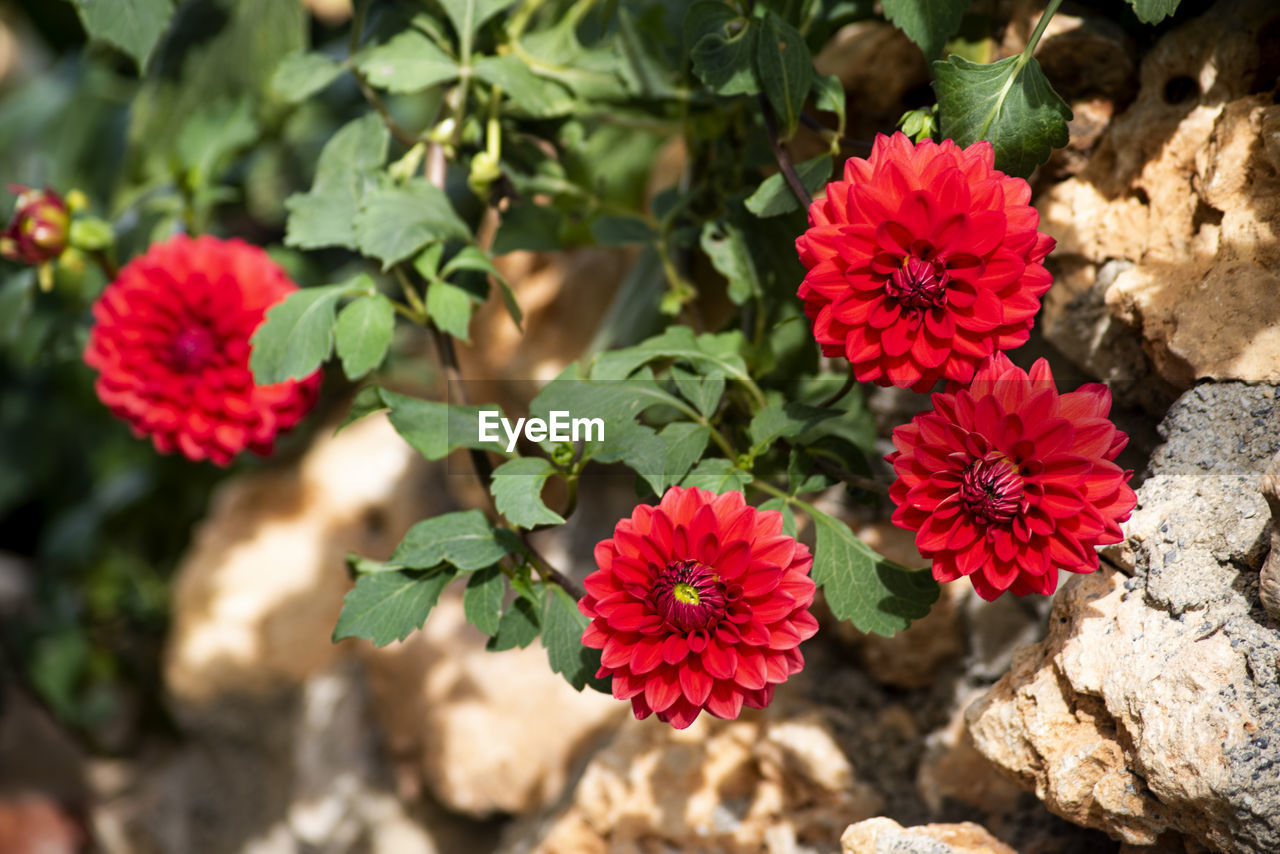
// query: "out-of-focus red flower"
[[1007, 481], [700, 602], [38, 231], [171, 345], [922, 262]]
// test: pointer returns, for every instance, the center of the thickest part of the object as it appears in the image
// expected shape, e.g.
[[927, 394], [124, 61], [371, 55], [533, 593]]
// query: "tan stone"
[[762, 783], [488, 732], [1185, 187], [256, 598], [911, 658], [885, 836], [1114, 721]]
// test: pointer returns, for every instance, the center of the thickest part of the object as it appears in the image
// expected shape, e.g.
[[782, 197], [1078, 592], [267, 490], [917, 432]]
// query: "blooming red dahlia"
[[1007, 481], [170, 343], [700, 602], [922, 261]]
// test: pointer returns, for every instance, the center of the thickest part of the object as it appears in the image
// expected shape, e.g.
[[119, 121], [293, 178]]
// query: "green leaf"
[[722, 46], [325, 215], [134, 26], [1008, 102], [788, 515], [435, 429], [705, 352], [214, 133], [449, 307], [468, 16], [871, 591], [464, 539], [363, 334], [928, 23], [297, 335], [517, 492], [1154, 11], [704, 392], [645, 74], [829, 96], [302, 74], [685, 443], [562, 627], [365, 566], [785, 421], [718, 475], [786, 70], [409, 62], [527, 93], [473, 258], [367, 401], [621, 230], [396, 221], [727, 248], [773, 197], [387, 606], [517, 628], [482, 600], [528, 226]]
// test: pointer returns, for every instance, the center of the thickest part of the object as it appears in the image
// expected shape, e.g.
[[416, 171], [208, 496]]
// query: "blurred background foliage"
[[197, 143], [202, 141]]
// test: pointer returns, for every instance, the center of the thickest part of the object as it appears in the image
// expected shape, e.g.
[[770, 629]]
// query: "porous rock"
[[883, 835], [1152, 706], [256, 601], [1184, 191], [769, 782]]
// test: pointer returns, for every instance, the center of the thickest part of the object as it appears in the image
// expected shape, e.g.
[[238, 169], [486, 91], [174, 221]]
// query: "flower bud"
[[38, 231]]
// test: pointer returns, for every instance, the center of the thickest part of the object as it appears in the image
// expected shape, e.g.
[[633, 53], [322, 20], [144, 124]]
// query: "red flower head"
[[38, 230], [700, 603], [171, 345], [923, 261], [1007, 481]]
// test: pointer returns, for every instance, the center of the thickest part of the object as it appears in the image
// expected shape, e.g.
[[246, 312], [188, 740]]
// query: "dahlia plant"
[[298, 200]]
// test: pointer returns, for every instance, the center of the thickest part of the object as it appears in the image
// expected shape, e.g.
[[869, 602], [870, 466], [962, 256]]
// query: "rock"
[[885, 836], [880, 68], [767, 782], [31, 824], [488, 732], [952, 771], [909, 659], [1184, 189], [256, 599], [1151, 707], [254, 608]]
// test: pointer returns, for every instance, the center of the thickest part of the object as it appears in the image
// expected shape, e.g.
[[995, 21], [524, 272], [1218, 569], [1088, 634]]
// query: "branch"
[[784, 159]]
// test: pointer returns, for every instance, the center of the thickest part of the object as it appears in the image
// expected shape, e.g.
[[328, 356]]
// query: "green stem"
[[357, 25], [765, 486], [1040, 28]]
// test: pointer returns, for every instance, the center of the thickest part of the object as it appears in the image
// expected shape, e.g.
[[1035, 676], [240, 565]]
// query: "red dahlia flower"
[[922, 261], [171, 345], [700, 603], [1007, 481]]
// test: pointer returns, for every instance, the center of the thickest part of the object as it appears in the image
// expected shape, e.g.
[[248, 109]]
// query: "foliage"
[[370, 156]]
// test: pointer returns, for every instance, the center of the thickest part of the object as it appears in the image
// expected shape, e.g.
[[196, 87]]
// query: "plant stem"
[[849, 382], [784, 159], [1040, 28]]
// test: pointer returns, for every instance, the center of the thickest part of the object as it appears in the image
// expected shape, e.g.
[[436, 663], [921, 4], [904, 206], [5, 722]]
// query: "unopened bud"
[[38, 231]]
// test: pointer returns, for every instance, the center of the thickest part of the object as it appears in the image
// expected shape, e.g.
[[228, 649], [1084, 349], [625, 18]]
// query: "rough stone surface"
[[255, 605], [1168, 236], [885, 836], [766, 782], [1153, 705]]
